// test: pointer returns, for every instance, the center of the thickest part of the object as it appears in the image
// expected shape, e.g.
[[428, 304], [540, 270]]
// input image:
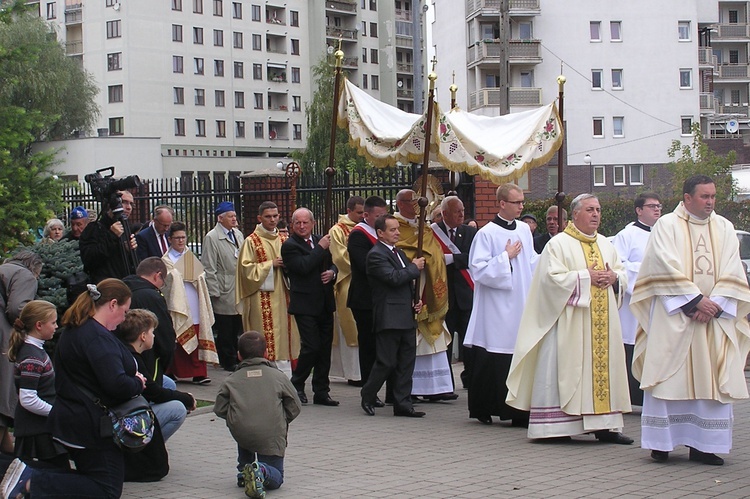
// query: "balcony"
[[345, 34], [732, 32], [339, 6], [524, 7], [492, 7], [483, 98], [733, 72], [404, 41], [350, 62], [73, 17], [519, 52], [405, 67], [706, 57], [74, 48], [405, 93], [524, 96], [734, 109], [403, 15], [708, 102]]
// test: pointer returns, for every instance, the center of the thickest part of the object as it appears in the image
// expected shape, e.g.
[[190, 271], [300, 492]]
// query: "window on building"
[[256, 12], [200, 128], [177, 33], [177, 64], [114, 61], [615, 31], [618, 175], [218, 38], [636, 174], [258, 130], [239, 69], [237, 10], [239, 100], [257, 42], [365, 81], [595, 31], [198, 9], [116, 126], [221, 128], [295, 75], [687, 125], [374, 56], [51, 10], [114, 29], [219, 8], [596, 78], [179, 127], [295, 47], [239, 129], [296, 103], [527, 79], [600, 178], [219, 98], [598, 127], [734, 57], [114, 93], [200, 97], [218, 67], [297, 131], [617, 79], [237, 40], [179, 95], [364, 54], [198, 65], [257, 101], [618, 124], [364, 28], [683, 31], [177, 5], [373, 5], [374, 30], [686, 78], [198, 36], [733, 16], [524, 31], [257, 71], [110, 3], [293, 18], [734, 98], [375, 82]]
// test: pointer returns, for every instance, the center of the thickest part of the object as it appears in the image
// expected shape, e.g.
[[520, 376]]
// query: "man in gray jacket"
[[258, 402]]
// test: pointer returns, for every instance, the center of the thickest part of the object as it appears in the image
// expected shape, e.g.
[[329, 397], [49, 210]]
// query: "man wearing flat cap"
[[531, 222], [219, 258], [79, 219]]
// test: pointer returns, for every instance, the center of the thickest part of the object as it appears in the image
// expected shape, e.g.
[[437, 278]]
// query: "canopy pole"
[[331, 170], [560, 196]]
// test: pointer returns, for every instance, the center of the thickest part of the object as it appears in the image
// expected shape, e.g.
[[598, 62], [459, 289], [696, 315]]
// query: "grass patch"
[[203, 403]]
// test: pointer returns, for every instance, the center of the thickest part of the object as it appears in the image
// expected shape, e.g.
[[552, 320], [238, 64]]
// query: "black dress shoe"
[[358, 383], [367, 407], [378, 403], [441, 397], [231, 368], [612, 437], [302, 397], [327, 400], [520, 423], [705, 457], [411, 413], [660, 456], [485, 419]]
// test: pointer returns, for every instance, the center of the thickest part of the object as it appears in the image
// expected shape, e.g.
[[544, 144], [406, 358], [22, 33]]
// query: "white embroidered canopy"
[[499, 149]]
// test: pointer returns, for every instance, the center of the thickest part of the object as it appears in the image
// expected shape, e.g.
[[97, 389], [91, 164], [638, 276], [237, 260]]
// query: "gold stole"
[[599, 323]]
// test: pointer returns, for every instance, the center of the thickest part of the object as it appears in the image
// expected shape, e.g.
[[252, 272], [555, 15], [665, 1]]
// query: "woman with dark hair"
[[18, 284], [88, 357]]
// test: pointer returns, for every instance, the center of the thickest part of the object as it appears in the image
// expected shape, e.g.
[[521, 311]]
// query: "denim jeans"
[[273, 466], [170, 414], [100, 474]]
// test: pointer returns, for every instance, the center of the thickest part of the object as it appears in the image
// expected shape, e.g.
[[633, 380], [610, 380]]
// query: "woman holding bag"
[[88, 356]]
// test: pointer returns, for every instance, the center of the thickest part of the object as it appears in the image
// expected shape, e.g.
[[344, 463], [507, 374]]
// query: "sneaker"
[[15, 479], [253, 476], [201, 380]]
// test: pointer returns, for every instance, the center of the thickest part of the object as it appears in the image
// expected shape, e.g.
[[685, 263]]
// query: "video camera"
[[105, 188]]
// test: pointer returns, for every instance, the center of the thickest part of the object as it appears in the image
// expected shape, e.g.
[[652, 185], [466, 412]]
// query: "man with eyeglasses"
[[501, 261], [153, 239], [630, 244]]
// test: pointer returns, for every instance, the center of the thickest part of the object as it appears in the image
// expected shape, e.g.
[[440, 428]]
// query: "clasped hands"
[[602, 278], [705, 310]]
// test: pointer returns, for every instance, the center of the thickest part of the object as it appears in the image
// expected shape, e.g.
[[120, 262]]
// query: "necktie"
[[163, 243], [453, 235], [311, 243], [230, 235]]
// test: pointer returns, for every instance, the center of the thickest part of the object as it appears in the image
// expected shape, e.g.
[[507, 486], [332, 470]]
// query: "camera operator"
[[105, 252]]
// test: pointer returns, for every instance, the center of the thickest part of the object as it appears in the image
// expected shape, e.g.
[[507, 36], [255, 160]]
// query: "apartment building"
[[639, 74], [192, 86]]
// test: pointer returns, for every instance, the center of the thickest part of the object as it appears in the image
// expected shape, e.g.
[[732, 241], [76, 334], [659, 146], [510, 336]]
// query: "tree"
[[698, 159], [43, 94], [319, 113]]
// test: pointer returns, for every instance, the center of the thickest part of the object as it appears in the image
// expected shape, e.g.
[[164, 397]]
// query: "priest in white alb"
[[501, 261], [691, 301], [568, 366]]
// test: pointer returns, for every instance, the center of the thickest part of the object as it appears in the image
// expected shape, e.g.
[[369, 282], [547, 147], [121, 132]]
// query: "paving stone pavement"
[[339, 452]]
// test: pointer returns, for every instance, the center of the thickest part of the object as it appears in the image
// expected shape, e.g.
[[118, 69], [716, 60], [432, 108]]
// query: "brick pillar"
[[260, 187], [485, 203]]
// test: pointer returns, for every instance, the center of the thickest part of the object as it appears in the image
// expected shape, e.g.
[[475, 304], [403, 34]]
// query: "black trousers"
[[396, 352], [457, 321], [316, 338], [365, 340], [227, 329]]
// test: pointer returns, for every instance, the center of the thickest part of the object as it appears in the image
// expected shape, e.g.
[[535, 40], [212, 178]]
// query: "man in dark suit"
[[311, 276], [391, 280], [152, 239], [541, 240], [455, 239]]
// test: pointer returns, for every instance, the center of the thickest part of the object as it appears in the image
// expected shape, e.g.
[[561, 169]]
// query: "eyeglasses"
[[653, 206], [515, 202]]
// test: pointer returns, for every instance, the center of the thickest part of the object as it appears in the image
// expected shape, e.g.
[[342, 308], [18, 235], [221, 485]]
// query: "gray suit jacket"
[[219, 258]]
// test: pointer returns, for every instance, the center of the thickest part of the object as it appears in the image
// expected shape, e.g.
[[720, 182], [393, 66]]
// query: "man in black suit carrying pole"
[[311, 276], [391, 279]]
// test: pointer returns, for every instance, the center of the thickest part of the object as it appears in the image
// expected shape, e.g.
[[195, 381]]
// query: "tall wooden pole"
[[560, 196], [331, 170]]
